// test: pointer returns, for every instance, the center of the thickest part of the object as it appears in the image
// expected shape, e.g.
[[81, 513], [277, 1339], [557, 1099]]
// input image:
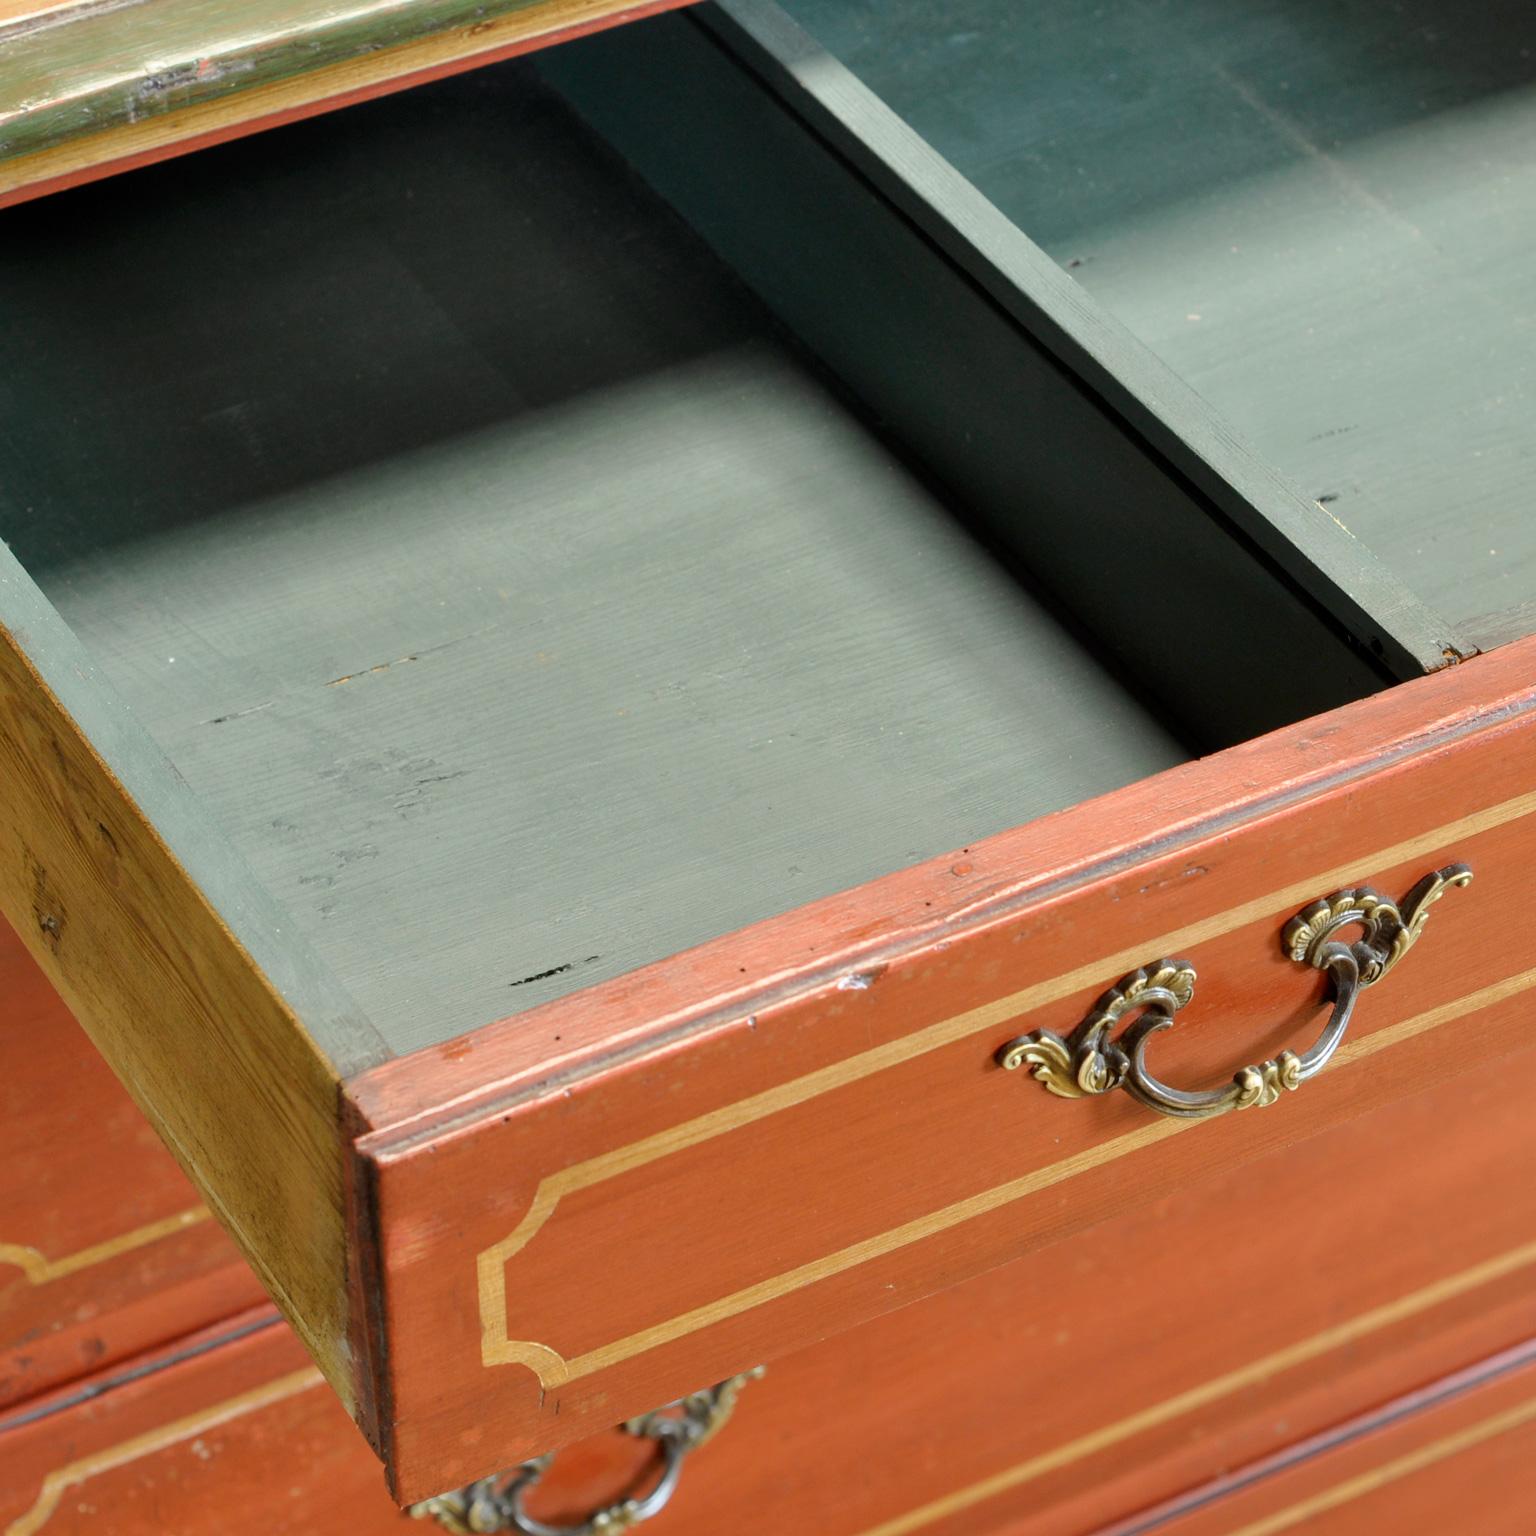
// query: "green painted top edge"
[[66, 75]]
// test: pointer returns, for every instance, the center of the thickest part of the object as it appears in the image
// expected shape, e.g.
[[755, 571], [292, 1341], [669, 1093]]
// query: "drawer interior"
[[1318, 215], [524, 600], [524, 596]]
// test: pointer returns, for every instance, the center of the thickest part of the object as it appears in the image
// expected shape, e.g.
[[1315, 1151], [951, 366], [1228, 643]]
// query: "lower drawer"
[[105, 1248], [1104, 1375], [1459, 1455]]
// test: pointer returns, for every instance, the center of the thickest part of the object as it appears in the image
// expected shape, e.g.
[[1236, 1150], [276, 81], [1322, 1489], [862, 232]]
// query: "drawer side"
[[126, 928]]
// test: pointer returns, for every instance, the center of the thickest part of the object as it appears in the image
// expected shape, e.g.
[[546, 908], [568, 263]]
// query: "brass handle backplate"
[[1108, 1049], [496, 1503]]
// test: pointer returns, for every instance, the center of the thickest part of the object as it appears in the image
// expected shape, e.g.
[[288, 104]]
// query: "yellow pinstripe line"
[[40, 1269], [74, 1473], [1389, 1472], [553, 1369], [1351, 1331]]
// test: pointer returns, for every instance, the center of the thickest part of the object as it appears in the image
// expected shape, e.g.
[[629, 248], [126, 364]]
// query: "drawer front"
[[105, 1248], [1103, 1375], [579, 1245], [1146, 1356], [229, 1430], [1459, 1455]]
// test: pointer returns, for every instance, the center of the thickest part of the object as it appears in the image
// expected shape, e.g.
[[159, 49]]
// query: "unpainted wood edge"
[[101, 67], [90, 156], [157, 920], [369, 1332], [1501, 626], [1311, 549], [187, 833], [384, 1139]]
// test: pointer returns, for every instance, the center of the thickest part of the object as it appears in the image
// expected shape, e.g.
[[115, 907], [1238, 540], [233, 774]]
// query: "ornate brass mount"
[[496, 1503], [1093, 1059]]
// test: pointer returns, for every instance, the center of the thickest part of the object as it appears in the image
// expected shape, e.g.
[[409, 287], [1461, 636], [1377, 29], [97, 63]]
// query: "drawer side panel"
[[200, 1036]]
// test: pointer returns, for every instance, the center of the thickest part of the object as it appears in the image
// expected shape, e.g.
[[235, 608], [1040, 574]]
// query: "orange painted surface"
[[1457, 1456], [241, 1430], [1203, 1331], [784, 1133], [105, 1249]]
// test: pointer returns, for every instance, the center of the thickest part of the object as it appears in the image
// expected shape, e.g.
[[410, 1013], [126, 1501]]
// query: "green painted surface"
[[92, 67], [519, 599], [1322, 215]]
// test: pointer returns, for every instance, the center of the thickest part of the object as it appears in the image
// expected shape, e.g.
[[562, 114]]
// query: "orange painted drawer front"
[[1459, 1455], [1134, 1361], [1107, 1374], [230, 1430], [794, 1158], [105, 1248]]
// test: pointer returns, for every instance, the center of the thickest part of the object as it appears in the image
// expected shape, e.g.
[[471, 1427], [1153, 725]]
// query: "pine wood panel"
[[88, 89], [105, 1248], [1208, 1329], [200, 1035], [797, 1167]]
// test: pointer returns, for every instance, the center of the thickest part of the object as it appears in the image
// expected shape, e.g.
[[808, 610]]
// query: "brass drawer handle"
[[496, 1503], [1091, 1060]]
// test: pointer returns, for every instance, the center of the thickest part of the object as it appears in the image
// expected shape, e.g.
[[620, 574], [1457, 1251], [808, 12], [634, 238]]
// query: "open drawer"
[[587, 648]]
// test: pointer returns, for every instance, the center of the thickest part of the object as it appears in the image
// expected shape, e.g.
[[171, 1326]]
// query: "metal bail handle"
[[1108, 1049], [496, 1503]]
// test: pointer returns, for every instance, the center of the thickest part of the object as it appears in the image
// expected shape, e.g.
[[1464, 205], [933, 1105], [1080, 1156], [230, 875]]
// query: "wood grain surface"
[[105, 1249], [778, 1105], [87, 88], [1053, 1396], [1318, 217], [733, 1100], [133, 909]]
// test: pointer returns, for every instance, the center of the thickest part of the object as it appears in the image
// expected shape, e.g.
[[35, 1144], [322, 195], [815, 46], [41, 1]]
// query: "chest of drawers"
[[589, 662]]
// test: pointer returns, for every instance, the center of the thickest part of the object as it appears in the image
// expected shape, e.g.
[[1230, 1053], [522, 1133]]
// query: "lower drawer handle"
[[496, 1503], [1094, 1059]]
